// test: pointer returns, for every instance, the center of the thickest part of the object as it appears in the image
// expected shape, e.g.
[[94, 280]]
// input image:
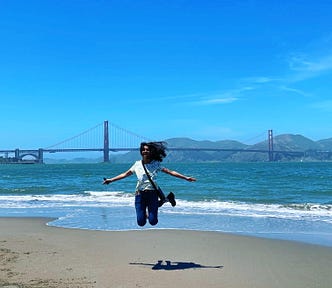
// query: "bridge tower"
[[106, 143], [270, 140], [17, 154], [40, 156]]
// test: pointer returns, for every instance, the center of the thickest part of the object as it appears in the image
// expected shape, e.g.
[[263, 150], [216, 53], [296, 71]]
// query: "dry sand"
[[35, 255]]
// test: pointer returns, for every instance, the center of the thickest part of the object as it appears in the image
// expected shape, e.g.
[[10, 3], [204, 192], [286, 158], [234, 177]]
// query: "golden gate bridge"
[[107, 137]]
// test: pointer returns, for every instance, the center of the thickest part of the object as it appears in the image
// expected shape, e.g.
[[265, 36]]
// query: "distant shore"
[[33, 254], [285, 148]]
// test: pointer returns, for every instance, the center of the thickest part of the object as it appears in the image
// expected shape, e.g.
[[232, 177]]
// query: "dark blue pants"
[[143, 200]]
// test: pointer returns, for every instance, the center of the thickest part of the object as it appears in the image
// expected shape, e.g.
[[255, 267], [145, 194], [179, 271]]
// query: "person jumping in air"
[[147, 191]]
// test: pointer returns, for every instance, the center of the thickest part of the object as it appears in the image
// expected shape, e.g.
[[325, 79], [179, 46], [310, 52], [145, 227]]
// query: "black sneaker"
[[171, 199]]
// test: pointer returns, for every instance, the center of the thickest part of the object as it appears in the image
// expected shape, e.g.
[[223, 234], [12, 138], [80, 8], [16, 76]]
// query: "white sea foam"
[[311, 212], [306, 211]]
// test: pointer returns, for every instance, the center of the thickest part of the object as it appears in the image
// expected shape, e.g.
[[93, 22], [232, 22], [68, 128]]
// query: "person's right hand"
[[107, 181]]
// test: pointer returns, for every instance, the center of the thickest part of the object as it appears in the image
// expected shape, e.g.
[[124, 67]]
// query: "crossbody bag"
[[160, 193]]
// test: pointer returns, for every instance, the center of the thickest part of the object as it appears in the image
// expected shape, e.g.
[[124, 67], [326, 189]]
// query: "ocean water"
[[290, 201]]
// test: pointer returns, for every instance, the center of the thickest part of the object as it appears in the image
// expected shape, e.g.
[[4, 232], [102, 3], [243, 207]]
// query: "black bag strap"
[[149, 177], [160, 193]]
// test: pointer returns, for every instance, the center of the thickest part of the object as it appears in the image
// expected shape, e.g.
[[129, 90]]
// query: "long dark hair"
[[157, 150]]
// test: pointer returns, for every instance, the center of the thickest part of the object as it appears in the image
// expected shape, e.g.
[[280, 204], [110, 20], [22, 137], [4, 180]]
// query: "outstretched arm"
[[118, 177], [179, 175]]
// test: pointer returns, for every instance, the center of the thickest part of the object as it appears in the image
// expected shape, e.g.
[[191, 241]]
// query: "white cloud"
[[302, 63], [218, 101], [294, 90], [261, 79], [306, 66], [226, 97]]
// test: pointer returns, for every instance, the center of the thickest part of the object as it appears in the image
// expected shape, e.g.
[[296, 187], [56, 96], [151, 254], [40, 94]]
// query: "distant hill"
[[294, 142], [200, 156], [325, 144], [286, 142]]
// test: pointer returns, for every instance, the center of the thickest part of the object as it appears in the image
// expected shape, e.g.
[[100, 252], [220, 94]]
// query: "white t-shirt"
[[143, 182]]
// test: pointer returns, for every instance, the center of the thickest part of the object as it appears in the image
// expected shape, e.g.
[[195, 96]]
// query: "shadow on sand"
[[168, 265]]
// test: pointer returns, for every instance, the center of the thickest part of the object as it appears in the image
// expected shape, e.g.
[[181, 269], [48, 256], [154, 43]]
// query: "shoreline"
[[309, 238], [33, 254]]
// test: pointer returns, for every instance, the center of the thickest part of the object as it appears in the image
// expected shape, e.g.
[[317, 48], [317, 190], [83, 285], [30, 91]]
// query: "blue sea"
[[290, 201]]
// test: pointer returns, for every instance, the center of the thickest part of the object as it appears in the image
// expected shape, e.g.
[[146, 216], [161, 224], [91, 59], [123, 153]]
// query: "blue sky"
[[207, 70]]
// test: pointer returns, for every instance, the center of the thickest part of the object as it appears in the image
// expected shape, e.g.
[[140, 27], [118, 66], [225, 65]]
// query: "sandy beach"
[[33, 254]]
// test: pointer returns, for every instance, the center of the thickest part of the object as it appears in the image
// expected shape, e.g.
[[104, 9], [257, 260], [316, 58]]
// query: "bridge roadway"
[[36, 151], [27, 151], [38, 154]]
